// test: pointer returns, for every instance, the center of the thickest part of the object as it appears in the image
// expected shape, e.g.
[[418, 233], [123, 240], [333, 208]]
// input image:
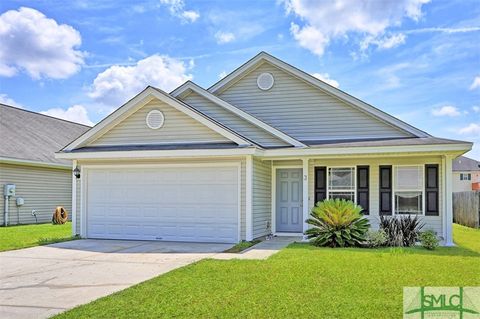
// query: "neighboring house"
[[466, 174], [28, 142], [250, 156]]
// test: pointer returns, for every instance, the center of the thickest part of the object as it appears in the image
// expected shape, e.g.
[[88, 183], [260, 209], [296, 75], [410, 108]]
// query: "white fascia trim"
[[158, 154], [267, 154], [192, 86], [136, 103], [249, 198], [322, 85], [367, 150], [16, 161], [74, 200], [447, 217]]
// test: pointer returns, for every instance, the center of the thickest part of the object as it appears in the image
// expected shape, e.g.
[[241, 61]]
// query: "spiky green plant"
[[337, 223], [401, 230]]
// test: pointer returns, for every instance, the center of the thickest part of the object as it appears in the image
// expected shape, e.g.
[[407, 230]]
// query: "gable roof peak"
[[192, 86], [263, 56]]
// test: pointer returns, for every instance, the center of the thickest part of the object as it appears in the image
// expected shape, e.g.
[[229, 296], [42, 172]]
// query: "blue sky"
[[415, 59]]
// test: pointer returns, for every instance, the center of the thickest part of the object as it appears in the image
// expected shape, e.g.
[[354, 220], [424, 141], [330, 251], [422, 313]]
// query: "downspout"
[[5, 214]]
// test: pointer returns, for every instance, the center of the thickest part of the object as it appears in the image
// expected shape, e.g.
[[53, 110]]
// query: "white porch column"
[[305, 193], [74, 199], [448, 211], [249, 197]]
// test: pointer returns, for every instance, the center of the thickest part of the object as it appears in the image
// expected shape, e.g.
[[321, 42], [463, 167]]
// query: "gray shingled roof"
[[383, 142], [27, 135], [463, 163]]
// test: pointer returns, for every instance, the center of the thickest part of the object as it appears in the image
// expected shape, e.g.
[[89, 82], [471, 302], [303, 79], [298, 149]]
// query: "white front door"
[[198, 204]]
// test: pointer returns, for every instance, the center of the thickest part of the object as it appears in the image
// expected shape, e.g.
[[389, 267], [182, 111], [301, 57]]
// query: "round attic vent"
[[265, 81], [155, 119]]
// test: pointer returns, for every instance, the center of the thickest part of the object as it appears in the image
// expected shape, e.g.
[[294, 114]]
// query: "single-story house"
[[41, 182], [466, 174], [250, 156]]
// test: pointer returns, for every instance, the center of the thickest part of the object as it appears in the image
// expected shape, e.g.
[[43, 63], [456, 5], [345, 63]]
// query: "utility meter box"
[[20, 201], [9, 190]]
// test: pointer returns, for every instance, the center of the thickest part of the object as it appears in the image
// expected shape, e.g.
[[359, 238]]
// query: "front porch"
[[394, 185]]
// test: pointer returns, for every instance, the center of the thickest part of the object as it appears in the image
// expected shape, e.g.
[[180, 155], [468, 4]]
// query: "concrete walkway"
[[41, 281], [261, 250]]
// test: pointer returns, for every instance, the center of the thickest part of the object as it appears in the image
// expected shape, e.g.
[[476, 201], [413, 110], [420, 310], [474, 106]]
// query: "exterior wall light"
[[76, 172]]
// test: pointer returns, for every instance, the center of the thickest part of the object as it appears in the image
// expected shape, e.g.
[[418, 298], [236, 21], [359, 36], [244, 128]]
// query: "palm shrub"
[[337, 223], [401, 231]]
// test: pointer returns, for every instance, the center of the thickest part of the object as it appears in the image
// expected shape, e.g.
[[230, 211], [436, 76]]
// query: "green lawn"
[[23, 236], [467, 237], [241, 246], [300, 281]]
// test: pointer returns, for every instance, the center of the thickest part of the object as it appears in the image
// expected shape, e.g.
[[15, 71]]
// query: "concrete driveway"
[[41, 281]]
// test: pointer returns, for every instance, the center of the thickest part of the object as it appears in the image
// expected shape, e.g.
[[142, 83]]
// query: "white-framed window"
[[408, 190], [341, 183], [465, 176]]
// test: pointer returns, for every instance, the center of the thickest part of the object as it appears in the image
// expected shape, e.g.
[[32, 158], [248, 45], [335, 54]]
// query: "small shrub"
[[429, 239], [337, 223], [376, 238], [401, 231]]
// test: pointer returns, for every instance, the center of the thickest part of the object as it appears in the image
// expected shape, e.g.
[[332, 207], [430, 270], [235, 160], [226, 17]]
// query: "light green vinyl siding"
[[262, 197], [43, 189], [303, 111], [232, 121], [178, 128], [431, 222]]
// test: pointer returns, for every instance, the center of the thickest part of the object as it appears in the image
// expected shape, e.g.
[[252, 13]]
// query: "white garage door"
[[198, 204]]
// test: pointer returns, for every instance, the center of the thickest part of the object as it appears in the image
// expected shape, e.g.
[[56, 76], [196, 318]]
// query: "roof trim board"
[[365, 107], [244, 115], [140, 100], [24, 162], [283, 153]]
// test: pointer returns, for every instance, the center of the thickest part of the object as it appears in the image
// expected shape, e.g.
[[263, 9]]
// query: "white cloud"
[[391, 76], [385, 42], [177, 9], [224, 37], [476, 109], [444, 30], [5, 99], [325, 77], [446, 111], [37, 45], [76, 113], [330, 19], [190, 15], [222, 74], [475, 83], [472, 128], [310, 38], [139, 8], [117, 84], [227, 26]]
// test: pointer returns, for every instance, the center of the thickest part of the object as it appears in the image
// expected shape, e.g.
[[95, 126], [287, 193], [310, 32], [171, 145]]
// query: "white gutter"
[[461, 147], [158, 153], [16, 161], [286, 153]]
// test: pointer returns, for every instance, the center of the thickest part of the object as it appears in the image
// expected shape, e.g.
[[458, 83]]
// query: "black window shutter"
[[431, 190], [320, 184], [363, 186], [385, 190]]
